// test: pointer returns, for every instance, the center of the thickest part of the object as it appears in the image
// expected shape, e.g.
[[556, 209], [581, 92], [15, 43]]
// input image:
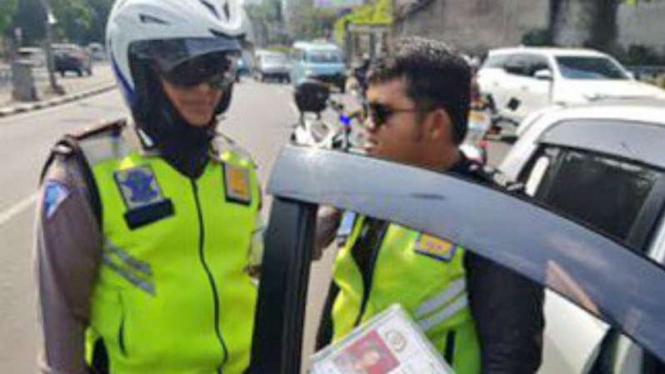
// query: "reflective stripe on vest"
[[432, 289], [172, 295]]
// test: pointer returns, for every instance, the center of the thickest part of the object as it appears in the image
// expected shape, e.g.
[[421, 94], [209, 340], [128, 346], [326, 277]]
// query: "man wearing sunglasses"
[[145, 231], [481, 317]]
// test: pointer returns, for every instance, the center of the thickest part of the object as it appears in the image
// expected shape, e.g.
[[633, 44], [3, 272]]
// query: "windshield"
[[324, 57], [275, 59], [573, 67]]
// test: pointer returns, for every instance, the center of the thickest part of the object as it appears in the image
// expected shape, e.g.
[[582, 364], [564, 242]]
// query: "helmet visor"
[[167, 54], [218, 69]]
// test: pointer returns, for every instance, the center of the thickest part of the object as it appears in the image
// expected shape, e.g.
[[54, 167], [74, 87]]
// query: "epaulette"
[[68, 144], [223, 143], [113, 128]]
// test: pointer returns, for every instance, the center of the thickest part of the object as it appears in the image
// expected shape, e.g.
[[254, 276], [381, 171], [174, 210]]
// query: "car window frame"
[[644, 229]]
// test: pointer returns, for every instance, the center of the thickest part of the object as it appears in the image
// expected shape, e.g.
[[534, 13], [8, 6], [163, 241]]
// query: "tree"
[[590, 23], [267, 21], [75, 18], [310, 22], [7, 10]]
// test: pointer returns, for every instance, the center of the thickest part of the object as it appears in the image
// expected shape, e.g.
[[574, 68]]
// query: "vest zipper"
[[368, 287], [211, 279], [121, 329], [450, 348]]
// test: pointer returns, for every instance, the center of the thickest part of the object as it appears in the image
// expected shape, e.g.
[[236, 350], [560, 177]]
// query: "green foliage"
[[7, 10], [377, 13], [80, 21], [267, 22], [313, 23]]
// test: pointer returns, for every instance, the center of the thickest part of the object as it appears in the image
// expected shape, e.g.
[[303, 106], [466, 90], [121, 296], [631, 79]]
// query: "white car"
[[601, 164], [524, 79]]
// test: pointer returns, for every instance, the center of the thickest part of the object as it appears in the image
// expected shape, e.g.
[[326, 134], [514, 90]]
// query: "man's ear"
[[439, 126]]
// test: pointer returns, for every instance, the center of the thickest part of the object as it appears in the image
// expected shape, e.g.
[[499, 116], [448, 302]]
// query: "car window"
[[615, 191], [274, 59], [496, 61], [618, 354], [574, 67], [519, 64], [324, 56], [535, 63]]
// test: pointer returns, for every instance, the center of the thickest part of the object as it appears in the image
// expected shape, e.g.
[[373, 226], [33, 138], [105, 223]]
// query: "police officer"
[[482, 318], [145, 230]]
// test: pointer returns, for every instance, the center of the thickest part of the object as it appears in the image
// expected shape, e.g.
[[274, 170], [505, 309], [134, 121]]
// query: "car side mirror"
[[544, 75], [311, 96]]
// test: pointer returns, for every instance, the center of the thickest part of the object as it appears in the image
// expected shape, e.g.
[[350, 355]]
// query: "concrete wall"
[[643, 24], [476, 25]]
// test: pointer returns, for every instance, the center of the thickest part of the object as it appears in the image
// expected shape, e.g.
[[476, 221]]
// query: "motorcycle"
[[324, 121]]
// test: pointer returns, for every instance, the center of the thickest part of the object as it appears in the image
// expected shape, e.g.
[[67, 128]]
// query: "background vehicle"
[[321, 61], [522, 80], [602, 165], [272, 65], [71, 57], [326, 124], [242, 69]]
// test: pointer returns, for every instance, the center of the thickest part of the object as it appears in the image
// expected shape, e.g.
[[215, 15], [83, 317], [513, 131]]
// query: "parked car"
[[242, 69], [601, 164], [522, 80], [272, 65], [71, 57], [320, 61]]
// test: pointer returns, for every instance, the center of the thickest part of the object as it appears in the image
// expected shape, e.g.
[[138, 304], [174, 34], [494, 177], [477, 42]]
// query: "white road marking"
[[17, 209]]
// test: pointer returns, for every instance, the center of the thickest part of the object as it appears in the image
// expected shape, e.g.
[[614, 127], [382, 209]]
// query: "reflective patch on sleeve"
[[55, 193]]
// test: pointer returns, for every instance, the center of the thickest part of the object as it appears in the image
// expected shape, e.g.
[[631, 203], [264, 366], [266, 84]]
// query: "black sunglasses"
[[217, 72], [379, 113]]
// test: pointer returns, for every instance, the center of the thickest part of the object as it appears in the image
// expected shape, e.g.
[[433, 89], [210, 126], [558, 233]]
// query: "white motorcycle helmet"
[[144, 36]]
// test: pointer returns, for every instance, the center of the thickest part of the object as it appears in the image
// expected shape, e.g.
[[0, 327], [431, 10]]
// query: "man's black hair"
[[435, 76]]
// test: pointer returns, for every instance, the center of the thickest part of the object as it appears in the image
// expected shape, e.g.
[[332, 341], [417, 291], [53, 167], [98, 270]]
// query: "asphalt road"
[[260, 119]]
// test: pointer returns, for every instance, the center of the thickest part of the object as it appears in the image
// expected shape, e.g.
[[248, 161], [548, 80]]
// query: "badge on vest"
[[436, 248], [237, 184], [142, 196]]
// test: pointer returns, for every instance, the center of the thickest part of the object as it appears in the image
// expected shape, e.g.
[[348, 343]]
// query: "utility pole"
[[50, 21]]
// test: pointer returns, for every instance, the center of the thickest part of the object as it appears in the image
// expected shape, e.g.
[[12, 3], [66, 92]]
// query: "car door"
[[622, 198], [524, 92], [565, 256], [534, 93], [491, 78]]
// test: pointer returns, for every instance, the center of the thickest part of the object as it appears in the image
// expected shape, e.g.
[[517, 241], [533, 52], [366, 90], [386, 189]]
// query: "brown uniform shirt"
[[69, 252]]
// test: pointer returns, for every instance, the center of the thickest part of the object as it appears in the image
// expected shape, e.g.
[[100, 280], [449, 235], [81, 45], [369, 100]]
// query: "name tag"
[[237, 184], [434, 247]]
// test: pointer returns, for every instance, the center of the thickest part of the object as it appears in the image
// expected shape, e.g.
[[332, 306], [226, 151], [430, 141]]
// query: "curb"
[[24, 108]]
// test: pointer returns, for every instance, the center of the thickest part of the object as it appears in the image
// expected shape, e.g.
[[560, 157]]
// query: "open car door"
[[585, 267]]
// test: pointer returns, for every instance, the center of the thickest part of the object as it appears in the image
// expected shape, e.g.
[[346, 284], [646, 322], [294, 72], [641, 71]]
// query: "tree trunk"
[[584, 23]]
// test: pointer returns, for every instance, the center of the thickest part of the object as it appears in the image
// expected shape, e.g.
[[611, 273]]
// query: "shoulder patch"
[[55, 193], [434, 247], [138, 186]]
